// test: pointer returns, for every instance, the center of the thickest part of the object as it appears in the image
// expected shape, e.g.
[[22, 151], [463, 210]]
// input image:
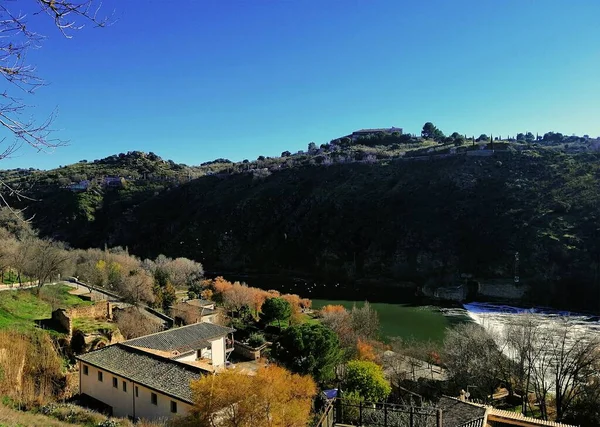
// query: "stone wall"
[[249, 352], [99, 310]]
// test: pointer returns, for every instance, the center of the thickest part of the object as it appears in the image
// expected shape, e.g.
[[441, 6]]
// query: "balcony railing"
[[341, 412]]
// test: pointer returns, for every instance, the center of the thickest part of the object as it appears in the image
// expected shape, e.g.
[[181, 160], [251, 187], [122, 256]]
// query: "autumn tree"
[[309, 349], [366, 378], [273, 397], [236, 297], [332, 309]]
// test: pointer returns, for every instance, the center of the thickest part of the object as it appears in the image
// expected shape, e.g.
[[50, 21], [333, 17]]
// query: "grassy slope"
[[19, 309]]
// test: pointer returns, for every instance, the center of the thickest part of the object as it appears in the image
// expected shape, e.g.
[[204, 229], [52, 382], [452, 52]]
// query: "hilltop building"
[[363, 133]]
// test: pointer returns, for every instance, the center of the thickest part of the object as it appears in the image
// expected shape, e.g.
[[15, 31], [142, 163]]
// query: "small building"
[[113, 181], [363, 133], [193, 311], [79, 186], [149, 377]]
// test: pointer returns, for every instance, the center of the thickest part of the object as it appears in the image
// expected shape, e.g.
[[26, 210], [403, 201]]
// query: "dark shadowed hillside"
[[385, 220], [417, 221]]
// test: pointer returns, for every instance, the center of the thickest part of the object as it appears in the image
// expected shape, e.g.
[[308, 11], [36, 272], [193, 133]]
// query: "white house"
[[149, 377]]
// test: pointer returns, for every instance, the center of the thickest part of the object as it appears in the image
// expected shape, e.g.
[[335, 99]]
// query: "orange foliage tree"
[[274, 397], [365, 351], [330, 308]]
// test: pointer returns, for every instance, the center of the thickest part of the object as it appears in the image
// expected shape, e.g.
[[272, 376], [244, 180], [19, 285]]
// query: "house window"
[[100, 377], [115, 382], [173, 406], [86, 370], [154, 399], [124, 386], [137, 391]]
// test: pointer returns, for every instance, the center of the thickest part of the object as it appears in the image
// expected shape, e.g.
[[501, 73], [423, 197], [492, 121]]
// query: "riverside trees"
[[555, 360]]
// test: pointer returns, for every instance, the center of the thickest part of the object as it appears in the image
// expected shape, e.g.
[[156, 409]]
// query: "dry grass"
[[13, 418], [31, 367]]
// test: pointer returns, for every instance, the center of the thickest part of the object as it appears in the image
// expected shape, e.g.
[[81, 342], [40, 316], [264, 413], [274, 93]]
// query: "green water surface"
[[420, 323]]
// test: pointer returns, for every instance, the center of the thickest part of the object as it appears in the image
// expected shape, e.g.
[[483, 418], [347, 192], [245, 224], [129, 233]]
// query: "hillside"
[[384, 219]]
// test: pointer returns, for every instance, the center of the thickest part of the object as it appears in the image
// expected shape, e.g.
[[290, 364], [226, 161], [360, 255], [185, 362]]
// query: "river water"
[[403, 315]]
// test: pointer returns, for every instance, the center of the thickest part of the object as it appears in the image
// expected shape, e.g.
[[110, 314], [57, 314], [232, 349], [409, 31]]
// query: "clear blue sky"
[[196, 80]]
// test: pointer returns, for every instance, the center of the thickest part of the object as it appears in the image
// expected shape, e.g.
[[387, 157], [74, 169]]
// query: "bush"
[[256, 340]]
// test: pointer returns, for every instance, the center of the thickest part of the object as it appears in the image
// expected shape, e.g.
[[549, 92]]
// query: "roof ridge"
[[177, 329], [158, 357]]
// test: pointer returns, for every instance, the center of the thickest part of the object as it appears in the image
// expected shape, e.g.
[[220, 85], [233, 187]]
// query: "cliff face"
[[426, 222]]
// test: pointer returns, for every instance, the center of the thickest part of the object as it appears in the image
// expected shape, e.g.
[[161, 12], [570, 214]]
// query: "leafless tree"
[[17, 37], [184, 271], [47, 259], [556, 358], [365, 321], [137, 287], [472, 357], [132, 323]]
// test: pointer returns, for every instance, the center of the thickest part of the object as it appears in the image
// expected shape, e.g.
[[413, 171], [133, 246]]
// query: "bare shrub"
[[132, 323]]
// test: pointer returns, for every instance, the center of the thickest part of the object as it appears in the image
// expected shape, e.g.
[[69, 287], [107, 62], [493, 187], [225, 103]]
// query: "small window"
[[154, 399], [124, 386], [137, 391], [86, 370], [115, 382], [100, 377], [173, 406]]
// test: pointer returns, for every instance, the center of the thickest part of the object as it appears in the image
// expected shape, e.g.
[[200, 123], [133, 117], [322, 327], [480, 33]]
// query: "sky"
[[196, 80]]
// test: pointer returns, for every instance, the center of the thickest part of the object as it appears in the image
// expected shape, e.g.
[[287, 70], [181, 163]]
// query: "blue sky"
[[196, 80]]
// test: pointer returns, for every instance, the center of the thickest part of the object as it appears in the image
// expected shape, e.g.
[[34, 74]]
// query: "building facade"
[[149, 377]]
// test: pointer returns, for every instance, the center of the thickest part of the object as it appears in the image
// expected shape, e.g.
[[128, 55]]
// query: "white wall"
[[123, 402], [187, 357], [145, 409], [218, 351]]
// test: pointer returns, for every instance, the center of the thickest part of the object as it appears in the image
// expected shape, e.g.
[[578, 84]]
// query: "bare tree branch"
[[16, 39]]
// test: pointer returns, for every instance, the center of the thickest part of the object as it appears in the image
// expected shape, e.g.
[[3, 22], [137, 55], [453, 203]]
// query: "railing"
[[348, 413]]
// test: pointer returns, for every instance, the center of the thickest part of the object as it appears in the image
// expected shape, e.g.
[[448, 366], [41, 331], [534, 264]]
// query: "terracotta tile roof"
[[498, 414], [183, 339], [163, 375]]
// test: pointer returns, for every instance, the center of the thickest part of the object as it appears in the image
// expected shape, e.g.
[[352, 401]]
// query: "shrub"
[[256, 340]]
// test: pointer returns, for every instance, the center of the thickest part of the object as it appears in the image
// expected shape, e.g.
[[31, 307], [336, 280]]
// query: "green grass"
[[19, 309], [60, 297], [11, 278], [88, 325]]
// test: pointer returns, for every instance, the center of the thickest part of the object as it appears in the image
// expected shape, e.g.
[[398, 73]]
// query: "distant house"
[[79, 186], [363, 133], [113, 181], [149, 377], [193, 311]]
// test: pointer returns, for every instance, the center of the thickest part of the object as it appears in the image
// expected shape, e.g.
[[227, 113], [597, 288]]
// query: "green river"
[[421, 323]]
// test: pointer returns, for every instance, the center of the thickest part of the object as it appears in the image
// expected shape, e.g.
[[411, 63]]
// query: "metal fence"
[[346, 412]]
